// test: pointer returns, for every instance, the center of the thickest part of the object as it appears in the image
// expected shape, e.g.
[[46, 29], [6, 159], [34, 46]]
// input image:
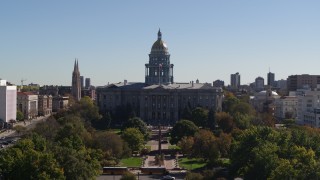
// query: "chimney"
[[125, 82], [192, 83]]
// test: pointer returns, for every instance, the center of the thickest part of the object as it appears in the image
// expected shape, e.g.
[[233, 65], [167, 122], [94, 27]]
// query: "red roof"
[[26, 93]]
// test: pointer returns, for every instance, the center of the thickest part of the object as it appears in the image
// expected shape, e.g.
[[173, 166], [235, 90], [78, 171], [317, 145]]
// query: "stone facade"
[[159, 70], [76, 83], [159, 99], [163, 103], [44, 105], [27, 103], [286, 107], [59, 103], [308, 111]]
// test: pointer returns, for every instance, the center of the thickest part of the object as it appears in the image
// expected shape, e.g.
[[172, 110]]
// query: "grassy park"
[[131, 162], [192, 163]]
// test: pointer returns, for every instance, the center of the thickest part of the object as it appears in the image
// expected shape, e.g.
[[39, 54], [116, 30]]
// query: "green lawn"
[[225, 161], [131, 162], [174, 147], [191, 164]]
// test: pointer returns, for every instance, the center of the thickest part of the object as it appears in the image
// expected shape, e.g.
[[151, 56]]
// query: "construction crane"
[[22, 80]]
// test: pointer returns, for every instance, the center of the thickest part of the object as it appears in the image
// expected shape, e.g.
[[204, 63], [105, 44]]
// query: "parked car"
[[168, 177], [164, 142], [5, 143]]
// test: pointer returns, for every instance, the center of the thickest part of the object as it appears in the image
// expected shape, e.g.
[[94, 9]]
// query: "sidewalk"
[[27, 123]]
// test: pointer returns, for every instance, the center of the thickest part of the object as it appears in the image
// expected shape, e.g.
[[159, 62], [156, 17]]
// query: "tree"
[[110, 143], [203, 140], [211, 119], [47, 129], [27, 160], [187, 112], [242, 121], [225, 121], [138, 124], [104, 123], [128, 176], [83, 163], [229, 101], [242, 108], [20, 129], [20, 116], [134, 138], [86, 109], [264, 119], [186, 145], [200, 117], [224, 144], [194, 176], [182, 128]]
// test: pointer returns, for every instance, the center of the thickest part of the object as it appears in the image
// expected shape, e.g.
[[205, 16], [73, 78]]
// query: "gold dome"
[[159, 45]]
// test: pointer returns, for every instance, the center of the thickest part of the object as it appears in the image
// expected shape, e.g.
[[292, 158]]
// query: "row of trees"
[[266, 153], [256, 149], [66, 146]]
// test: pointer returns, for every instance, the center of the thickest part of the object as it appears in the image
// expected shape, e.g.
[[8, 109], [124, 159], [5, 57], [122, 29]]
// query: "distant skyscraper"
[[82, 81], [295, 82], [88, 83], [271, 79], [76, 84], [218, 83], [8, 101], [259, 84], [235, 80]]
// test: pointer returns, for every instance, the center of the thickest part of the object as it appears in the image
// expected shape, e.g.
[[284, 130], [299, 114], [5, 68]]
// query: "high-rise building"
[[8, 101], [76, 84], [88, 83], [82, 81], [159, 70], [235, 80], [295, 82], [218, 83], [271, 79], [259, 84]]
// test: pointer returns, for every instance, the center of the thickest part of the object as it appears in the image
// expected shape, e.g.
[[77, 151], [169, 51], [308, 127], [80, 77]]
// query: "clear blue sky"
[[208, 40]]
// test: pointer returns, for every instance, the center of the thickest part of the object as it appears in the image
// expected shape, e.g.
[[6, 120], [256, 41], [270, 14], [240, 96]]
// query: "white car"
[[168, 177]]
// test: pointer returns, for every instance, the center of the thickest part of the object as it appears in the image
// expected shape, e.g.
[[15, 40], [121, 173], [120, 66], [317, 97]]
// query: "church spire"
[[76, 85], [75, 65], [159, 34]]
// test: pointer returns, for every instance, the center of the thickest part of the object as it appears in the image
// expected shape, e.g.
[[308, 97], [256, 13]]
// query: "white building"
[[27, 103], [286, 107], [8, 100], [308, 111], [263, 101]]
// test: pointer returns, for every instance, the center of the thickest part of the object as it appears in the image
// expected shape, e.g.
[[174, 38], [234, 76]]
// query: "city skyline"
[[112, 40]]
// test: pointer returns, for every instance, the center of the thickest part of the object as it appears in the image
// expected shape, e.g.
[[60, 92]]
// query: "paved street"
[[28, 124], [141, 177]]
